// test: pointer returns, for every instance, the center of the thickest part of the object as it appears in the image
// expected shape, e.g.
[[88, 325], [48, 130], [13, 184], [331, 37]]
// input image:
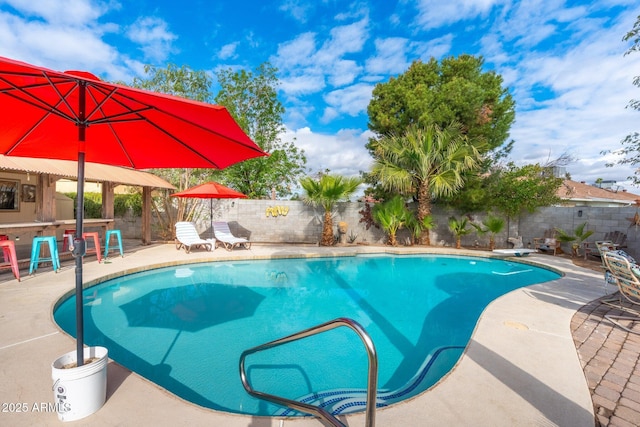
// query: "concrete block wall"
[[286, 221]]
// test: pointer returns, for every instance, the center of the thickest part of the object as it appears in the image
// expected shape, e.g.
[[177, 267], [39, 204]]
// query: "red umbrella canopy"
[[75, 116], [210, 190], [44, 113]]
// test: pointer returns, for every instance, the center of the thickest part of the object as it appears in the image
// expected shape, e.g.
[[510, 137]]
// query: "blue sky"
[[562, 60]]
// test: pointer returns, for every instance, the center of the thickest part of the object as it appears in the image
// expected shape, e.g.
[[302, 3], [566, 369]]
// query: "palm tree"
[[459, 229], [579, 235], [424, 163], [417, 227], [492, 225], [391, 216], [326, 192]]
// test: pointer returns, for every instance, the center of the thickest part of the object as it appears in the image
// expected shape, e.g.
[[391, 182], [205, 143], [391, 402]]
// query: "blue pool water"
[[185, 327]]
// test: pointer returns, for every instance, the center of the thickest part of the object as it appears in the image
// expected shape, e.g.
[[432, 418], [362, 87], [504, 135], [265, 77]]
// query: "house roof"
[[580, 191], [93, 171]]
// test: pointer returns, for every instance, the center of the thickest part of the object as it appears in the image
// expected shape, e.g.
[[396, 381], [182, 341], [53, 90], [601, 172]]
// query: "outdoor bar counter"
[[45, 228]]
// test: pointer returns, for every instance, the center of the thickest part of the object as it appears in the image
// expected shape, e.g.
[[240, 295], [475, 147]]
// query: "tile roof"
[[580, 191]]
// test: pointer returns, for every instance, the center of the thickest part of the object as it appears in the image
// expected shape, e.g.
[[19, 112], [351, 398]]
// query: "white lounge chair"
[[229, 241], [187, 236]]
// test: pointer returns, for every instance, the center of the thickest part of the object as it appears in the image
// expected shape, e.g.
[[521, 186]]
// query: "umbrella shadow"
[[192, 307]]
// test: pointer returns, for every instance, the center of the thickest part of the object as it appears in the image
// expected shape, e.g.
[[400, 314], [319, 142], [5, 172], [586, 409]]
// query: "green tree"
[[252, 100], [454, 90], [424, 163], [492, 225], [326, 192], [186, 83], [512, 190], [391, 216], [631, 143]]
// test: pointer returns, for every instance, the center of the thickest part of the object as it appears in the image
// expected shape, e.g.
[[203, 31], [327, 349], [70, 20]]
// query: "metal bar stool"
[[96, 243], [35, 253], [9, 252], [67, 238], [5, 250], [107, 238]]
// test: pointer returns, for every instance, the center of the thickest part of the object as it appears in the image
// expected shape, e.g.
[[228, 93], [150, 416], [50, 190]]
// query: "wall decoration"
[[28, 193], [277, 211], [9, 198]]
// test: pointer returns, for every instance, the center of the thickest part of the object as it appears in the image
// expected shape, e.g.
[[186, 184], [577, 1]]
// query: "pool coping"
[[527, 374]]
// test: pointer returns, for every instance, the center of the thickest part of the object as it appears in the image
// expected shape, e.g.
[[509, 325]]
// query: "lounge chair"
[[187, 236], [229, 241], [626, 275]]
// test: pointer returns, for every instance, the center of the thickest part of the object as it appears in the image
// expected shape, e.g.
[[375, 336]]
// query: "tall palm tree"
[[425, 163], [326, 192]]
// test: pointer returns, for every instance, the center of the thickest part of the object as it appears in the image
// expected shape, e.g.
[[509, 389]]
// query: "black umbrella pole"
[[79, 258]]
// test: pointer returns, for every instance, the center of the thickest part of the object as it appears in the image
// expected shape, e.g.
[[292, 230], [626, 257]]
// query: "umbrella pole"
[[211, 218], [79, 253], [79, 246]]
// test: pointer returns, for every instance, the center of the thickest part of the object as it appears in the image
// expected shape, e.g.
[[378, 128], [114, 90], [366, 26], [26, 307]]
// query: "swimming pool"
[[185, 327]]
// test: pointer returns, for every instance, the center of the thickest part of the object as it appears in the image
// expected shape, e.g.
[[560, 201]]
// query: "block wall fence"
[[286, 221]]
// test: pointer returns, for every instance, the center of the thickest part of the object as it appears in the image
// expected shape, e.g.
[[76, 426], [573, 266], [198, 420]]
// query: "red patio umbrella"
[[210, 190], [75, 116]]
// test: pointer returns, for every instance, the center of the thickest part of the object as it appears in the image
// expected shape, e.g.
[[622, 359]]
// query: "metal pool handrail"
[[372, 382]]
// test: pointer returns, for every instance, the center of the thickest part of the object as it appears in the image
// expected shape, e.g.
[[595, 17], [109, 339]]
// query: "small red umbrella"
[[210, 190], [75, 116]]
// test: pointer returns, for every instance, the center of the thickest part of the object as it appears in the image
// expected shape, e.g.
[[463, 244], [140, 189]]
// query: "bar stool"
[[35, 253], [107, 238], [5, 250], [9, 252], [67, 238], [96, 243]]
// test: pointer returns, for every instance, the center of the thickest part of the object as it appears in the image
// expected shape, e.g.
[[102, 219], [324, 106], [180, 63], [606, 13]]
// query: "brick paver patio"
[[610, 358]]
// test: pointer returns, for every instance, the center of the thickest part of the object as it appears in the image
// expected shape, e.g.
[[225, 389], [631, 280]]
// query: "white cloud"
[[61, 12], [228, 51], [306, 68], [64, 43], [343, 153], [298, 9], [390, 56], [438, 13], [351, 100], [153, 36]]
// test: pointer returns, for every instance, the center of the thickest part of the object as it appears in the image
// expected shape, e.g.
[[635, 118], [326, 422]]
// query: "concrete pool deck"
[[520, 368]]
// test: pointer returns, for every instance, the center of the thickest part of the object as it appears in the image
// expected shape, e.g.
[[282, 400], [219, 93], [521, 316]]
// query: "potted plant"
[[579, 235]]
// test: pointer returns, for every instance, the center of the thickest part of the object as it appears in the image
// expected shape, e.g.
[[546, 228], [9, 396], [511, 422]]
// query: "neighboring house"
[[575, 193]]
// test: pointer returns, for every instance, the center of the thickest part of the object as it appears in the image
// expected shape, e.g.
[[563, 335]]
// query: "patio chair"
[[229, 241], [548, 243], [626, 275], [618, 238], [187, 236]]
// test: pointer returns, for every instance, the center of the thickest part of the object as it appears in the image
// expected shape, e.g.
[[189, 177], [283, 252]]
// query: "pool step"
[[346, 401]]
